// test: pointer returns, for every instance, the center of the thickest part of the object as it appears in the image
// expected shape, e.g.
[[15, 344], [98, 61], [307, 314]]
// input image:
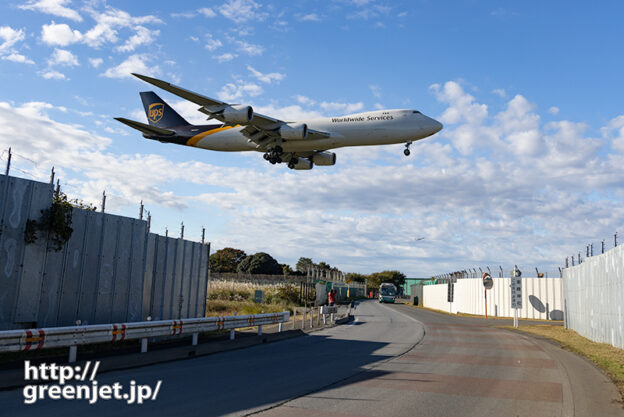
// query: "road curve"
[[390, 361]]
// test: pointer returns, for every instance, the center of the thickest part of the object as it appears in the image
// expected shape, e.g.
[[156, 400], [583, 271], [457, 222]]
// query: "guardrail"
[[74, 336]]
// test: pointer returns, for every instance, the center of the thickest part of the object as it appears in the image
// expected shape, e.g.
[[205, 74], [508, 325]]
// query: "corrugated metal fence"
[[110, 270], [594, 294]]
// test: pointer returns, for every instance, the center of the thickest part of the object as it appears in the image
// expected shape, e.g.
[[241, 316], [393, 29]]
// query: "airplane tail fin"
[[159, 113]]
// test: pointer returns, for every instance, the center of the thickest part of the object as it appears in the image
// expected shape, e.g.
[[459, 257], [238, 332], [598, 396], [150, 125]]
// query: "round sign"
[[488, 282]]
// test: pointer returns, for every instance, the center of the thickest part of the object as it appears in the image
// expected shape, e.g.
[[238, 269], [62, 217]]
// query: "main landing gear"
[[406, 152], [273, 155]]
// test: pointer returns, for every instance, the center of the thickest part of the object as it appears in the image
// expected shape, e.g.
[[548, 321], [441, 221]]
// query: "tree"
[[303, 264], [395, 277], [226, 260], [355, 277], [260, 263], [286, 269], [323, 265]]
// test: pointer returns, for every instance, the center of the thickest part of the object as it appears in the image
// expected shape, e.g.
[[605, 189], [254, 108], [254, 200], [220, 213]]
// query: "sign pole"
[[485, 303]]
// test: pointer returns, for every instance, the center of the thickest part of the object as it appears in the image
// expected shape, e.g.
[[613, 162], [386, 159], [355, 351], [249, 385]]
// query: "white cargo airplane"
[[302, 144]]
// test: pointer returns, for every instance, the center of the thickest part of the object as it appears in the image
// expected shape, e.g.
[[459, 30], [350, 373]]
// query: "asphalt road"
[[391, 361]]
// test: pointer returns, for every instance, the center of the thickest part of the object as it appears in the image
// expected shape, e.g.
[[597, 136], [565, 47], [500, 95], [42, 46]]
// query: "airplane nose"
[[436, 126]]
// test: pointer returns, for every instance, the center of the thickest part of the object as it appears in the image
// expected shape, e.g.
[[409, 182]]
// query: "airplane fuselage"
[[381, 127]]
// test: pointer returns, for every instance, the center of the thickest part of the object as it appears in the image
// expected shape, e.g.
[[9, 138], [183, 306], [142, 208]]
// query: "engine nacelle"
[[324, 158], [294, 131], [303, 164], [237, 114]]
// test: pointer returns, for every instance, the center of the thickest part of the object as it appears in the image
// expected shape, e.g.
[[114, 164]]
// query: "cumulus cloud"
[[95, 62], [52, 75], [64, 58], [241, 11], [249, 48], [228, 56], [134, 63], [265, 78], [310, 17], [346, 108], [15, 57], [59, 34], [53, 7], [211, 43], [143, 36], [239, 89], [207, 11]]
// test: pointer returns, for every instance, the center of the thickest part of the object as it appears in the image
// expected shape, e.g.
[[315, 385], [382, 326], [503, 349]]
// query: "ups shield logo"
[[155, 111]]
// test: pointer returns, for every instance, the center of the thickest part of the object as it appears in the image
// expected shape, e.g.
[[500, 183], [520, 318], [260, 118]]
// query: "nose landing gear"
[[406, 151]]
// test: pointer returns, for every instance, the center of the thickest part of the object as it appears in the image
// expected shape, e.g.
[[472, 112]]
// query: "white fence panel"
[[594, 291], [541, 298]]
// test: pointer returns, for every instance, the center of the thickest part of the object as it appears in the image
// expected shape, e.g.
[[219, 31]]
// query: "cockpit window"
[[416, 112]]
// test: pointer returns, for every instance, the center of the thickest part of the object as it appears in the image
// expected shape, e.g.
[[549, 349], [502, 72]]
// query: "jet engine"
[[303, 164], [293, 131], [237, 114], [324, 158]]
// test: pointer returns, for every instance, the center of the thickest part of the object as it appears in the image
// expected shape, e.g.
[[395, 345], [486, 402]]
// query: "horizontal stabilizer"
[[145, 128]]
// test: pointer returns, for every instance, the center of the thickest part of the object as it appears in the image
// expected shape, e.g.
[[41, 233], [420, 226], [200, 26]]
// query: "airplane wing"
[[145, 128], [260, 130]]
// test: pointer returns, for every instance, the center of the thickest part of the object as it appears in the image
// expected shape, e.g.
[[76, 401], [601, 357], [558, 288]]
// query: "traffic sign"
[[488, 282], [450, 292], [516, 292]]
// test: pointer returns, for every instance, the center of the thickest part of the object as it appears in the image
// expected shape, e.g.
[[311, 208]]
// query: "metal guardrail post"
[[144, 345], [233, 331], [73, 352], [194, 342], [260, 326], [311, 317]]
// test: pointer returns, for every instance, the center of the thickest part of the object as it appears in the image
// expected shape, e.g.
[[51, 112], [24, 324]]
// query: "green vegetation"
[[375, 279], [226, 298], [610, 359], [226, 259], [260, 263]]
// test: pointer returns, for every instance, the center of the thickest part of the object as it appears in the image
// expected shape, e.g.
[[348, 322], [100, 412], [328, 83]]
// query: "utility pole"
[[52, 176], [103, 200], [141, 211]]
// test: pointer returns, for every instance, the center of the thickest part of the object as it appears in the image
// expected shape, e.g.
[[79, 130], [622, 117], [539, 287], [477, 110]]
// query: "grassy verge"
[[228, 308], [477, 316], [608, 358]]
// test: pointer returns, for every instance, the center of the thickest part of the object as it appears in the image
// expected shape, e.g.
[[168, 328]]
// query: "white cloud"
[[375, 90], [500, 92], [211, 43], [15, 57], [207, 11], [249, 48], [110, 21], [53, 7], [240, 11], [95, 62], [59, 34], [239, 89], [64, 58], [553, 110], [143, 36], [305, 100], [52, 75], [134, 63], [310, 17], [225, 57], [9, 37], [266, 78], [345, 108], [462, 105]]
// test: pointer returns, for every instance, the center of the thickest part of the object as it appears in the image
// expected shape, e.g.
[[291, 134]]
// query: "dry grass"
[[608, 358]]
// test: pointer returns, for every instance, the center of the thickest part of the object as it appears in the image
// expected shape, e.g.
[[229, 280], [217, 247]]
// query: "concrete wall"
[[105, 272], [594, 293], [541, 298]]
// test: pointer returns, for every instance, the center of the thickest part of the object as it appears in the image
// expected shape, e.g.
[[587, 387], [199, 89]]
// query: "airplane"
[[301, 144]]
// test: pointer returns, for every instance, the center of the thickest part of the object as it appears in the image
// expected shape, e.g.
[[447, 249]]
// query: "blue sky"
[[528, 169]]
